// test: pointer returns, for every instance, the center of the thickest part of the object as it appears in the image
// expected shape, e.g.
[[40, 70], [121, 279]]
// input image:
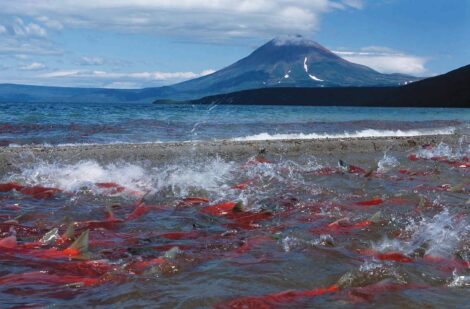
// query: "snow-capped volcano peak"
[[296, 40]]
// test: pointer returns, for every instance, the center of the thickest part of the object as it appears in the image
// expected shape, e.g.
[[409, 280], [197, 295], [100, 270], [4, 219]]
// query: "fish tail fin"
[[376, 218], [80, 245]]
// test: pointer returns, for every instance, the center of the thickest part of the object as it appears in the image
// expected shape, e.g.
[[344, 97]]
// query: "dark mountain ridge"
[[448, 90]]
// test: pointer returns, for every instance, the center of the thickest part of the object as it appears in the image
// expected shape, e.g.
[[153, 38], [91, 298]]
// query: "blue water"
[[43, 123]]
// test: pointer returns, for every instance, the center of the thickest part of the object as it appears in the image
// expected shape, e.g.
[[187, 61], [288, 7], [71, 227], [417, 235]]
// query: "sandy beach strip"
[[225, 149]]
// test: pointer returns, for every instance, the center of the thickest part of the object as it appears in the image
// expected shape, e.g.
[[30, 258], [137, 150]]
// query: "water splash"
[[437, 236], [387, 163]]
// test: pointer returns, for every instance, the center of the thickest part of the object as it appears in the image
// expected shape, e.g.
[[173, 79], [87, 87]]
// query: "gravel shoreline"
[[226, 149]]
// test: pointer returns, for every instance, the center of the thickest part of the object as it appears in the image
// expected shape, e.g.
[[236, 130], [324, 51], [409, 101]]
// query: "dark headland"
[[447, 90]]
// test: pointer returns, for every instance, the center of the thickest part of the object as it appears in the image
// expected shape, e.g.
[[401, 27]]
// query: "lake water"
[[55, 124]]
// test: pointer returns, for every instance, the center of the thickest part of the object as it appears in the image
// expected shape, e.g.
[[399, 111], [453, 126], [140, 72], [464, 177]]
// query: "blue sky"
[[143, 43]]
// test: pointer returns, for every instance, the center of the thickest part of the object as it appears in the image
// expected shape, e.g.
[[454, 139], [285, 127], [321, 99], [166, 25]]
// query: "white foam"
[[439, 235], [459, 281], [361, 133], [180, 179], [444, 150], [73, 177], [210, 176]]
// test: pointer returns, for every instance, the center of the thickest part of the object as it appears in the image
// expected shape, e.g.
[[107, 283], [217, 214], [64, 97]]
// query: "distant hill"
[[289, 61], [448, 90]]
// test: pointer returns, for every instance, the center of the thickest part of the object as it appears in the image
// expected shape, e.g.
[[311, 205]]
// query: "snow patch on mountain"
[[313, 77]]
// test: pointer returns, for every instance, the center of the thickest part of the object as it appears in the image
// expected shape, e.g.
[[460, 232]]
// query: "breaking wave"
[[361, 133]]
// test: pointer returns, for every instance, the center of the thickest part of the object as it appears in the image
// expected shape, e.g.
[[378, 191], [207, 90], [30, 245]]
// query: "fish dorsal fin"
[[376, 218], [172, 253], [457, 187], [342, 165], [238, 207], [372, 170], [422, 202], [69, 232], [81, 243], [110, 214]]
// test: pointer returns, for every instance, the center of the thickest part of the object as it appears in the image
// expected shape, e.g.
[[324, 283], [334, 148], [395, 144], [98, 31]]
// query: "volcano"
[[291, 61]]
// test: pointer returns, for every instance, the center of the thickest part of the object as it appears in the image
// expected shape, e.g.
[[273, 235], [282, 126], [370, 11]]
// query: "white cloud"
[[122, 85], [35, 66], [92, 60], [19, 36], [20, 28], [30, 46], [160, 76], [217, 19], [120, 79], [50, 23], [386, 60]]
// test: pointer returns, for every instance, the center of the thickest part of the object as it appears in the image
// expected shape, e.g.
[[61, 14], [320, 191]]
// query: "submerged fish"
[[8, 242], [352, 169], [386, 256], [222, 209], [243, 185], [195, 200], [40, 192], [270, 300], [41, 277], [344, 225], [78, 249], [372, 291], [10, 186], [372, 202]]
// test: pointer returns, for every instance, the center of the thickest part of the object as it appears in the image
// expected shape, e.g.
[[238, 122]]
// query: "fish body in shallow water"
[[40, 192], [220, 209], [352, 169], [342, 226], [10, 186], [75, 250], [372, 202], [275, 299], [386, 256], [37, 192], [195, 200], [40, 277], [370, 292]]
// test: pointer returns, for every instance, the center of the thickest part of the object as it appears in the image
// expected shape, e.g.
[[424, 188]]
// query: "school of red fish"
[[282, 234]]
